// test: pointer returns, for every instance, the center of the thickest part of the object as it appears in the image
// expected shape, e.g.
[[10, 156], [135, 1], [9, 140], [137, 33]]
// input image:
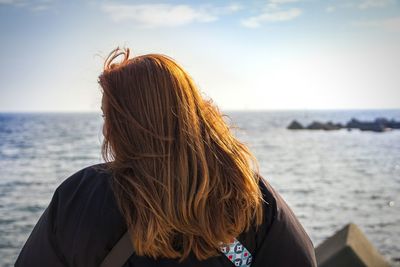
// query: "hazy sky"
[[277, 54]]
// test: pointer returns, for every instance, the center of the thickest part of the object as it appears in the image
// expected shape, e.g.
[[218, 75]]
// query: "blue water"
[[329, 178]]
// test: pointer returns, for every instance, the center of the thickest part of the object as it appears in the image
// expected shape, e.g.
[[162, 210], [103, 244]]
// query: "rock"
[[334, 126], [383, 121], [295, 125], [353, 123], [393, 124], [315, 125], [379, 125], [349, 247], [388, 124], [372, 126]]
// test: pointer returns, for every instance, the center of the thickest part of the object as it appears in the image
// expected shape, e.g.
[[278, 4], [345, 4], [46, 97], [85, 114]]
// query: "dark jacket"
[[82, 223]]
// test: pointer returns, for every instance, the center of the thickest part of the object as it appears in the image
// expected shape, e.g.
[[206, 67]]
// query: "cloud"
[[276, 4], [273, 11], [283, 1], [271, 16], [165, 15], [37, 5], [229, 8], [388, 24], [365, 4], [360, 5], [6, 2], [330, 9], [17, 3]]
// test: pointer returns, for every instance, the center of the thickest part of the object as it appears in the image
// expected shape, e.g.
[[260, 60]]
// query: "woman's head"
[[183, 182]]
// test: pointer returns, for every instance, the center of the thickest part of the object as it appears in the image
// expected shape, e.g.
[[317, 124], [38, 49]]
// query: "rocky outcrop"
[[295, 125], [378, 125], [315, 125]]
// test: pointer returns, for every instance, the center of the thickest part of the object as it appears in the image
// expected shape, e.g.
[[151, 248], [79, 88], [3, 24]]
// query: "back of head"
[[182, 181]]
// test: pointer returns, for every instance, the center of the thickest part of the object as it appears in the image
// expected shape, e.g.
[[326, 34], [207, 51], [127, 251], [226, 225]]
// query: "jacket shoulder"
[[87, 216], [281, 240], [86, 176]]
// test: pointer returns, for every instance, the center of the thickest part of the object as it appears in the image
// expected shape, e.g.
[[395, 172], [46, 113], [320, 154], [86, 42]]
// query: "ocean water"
[[329, 178]]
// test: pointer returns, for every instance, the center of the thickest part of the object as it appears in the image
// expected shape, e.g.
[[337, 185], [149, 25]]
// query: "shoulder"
[[82, 219], [86, 177], [87, 216], [85, 194], [281, 240], [85, 187]]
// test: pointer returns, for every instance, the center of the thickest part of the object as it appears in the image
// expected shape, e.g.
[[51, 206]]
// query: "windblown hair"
[[182, 181]]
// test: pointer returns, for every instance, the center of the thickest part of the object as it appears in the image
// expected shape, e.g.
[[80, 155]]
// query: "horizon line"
[[223, 110]]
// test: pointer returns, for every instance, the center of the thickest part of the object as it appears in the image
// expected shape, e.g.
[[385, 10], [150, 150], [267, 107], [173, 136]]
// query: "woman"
[[176, 185]]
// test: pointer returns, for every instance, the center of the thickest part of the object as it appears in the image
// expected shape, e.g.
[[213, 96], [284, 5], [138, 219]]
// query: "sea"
[[328, 178]]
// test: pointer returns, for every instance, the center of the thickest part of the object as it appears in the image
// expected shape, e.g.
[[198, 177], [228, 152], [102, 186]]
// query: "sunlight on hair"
[[181, 179]]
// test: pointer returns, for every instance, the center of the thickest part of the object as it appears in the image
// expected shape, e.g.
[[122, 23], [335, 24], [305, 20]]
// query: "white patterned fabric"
[[237, 253]]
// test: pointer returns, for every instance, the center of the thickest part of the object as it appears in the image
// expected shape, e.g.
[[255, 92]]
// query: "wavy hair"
[[182, 181]]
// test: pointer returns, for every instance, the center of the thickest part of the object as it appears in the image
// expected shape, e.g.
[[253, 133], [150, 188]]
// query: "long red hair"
[[182, 181]]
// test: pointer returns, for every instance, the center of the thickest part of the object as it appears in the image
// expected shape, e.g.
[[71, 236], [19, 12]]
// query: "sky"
[[245, 55]]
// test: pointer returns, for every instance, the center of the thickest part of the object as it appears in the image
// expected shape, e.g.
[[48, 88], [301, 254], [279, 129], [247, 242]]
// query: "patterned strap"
[[119, 254], [237, 253]]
